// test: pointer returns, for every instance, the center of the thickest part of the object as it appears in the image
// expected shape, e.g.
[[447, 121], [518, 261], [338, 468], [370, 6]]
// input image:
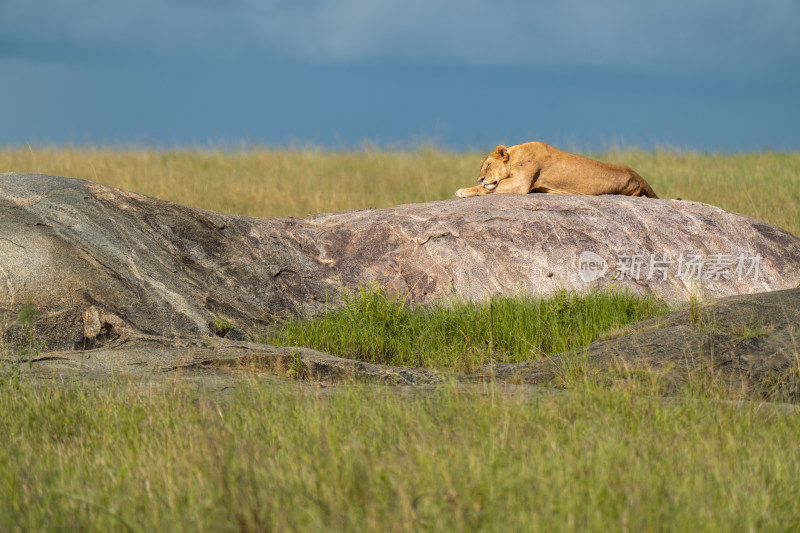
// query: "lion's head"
[[494, 168]]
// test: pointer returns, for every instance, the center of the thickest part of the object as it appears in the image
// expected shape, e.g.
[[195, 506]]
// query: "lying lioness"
[[538, 167]]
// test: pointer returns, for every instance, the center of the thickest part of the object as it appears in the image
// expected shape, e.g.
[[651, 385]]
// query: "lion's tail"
[[646, 190]]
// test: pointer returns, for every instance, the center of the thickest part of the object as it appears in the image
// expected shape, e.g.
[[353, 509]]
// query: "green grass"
[[80, 457], [375, 327]]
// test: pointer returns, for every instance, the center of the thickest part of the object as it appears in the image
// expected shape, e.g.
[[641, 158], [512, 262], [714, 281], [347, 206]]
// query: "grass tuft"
[[376, 327]]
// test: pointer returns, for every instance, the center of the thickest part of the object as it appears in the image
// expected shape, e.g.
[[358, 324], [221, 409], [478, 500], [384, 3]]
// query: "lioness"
[[538, 167]]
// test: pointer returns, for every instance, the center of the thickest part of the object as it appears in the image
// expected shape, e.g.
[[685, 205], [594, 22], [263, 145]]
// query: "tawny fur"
[[538, 167]]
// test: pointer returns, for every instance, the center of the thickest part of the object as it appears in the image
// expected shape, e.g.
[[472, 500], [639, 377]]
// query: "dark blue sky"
[[698, 74]]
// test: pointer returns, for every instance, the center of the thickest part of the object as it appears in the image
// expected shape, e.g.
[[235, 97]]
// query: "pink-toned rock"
[[539, 243]]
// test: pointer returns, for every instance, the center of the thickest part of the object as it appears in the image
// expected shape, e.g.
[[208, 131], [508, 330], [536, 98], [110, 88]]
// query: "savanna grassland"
[[295, 456], [265, 182]]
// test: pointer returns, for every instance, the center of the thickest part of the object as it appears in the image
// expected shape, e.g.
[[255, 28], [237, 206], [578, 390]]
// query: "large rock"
[[99, 263], [540, 243]]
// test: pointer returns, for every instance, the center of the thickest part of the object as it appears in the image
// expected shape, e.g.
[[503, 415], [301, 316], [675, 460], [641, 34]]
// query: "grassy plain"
[[265, 182], [299, 457], [79, 457]]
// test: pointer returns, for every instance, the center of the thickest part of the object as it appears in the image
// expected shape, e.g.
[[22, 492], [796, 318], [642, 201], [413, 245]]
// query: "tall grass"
[[116, 458], [375, 327], [265, 182]]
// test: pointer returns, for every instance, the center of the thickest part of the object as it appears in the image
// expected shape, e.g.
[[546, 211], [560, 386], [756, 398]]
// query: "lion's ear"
[[501, 152]]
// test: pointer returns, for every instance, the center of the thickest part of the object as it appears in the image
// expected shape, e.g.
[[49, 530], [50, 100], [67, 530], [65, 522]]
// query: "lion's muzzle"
[[488, 186]]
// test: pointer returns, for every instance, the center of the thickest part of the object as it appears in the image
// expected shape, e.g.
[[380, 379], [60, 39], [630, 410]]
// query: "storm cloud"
[[450, 58]]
